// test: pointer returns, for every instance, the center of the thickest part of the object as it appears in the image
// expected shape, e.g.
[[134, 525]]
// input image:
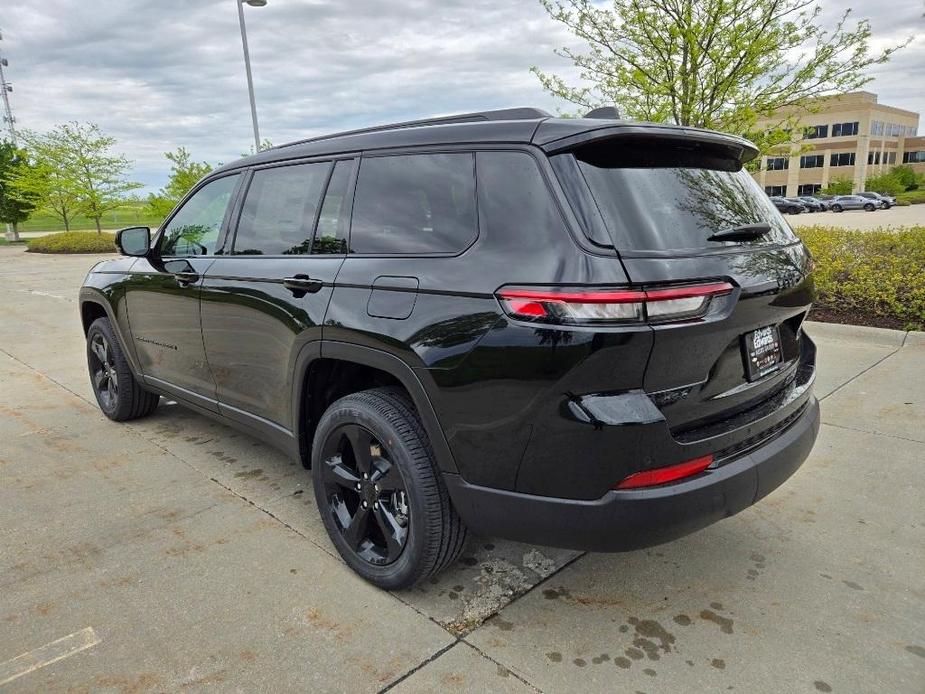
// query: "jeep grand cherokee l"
[[577, 332]]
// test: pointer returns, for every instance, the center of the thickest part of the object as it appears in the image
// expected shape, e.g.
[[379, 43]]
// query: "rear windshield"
[[659, 196]]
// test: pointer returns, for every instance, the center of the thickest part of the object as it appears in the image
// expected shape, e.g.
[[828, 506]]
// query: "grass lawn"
[[129, 214]]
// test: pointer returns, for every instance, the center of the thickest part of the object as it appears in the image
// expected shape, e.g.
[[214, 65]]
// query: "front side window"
[[194, 229], [279, 211], [414, 204]]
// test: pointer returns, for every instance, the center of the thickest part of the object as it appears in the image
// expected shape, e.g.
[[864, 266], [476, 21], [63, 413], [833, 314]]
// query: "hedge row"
[[74, 242], [876, 273]]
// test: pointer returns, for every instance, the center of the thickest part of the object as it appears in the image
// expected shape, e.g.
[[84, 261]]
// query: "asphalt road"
[[910, 215], [175, 554]]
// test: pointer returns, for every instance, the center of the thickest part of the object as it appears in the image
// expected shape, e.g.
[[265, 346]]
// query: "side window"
[[414, 203], [331, 236], [514, 201], [279, 211], [194, 229]]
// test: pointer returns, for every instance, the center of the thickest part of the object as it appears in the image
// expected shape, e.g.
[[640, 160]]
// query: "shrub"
[[879, 272], [74, 242], [911, 197]]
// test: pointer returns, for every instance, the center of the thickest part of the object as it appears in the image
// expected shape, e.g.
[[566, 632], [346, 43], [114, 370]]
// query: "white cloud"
[[158, 75]]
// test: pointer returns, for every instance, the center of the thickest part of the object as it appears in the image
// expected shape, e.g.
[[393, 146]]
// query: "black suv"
[[577, 332]]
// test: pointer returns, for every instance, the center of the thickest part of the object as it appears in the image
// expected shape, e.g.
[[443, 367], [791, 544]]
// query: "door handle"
[[300, 285], [186, 277]]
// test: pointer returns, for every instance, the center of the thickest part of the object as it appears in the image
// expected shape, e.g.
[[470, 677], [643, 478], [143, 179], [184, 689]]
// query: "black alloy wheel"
[[103, 370], [366, 494], [117, 391], [380, 492]]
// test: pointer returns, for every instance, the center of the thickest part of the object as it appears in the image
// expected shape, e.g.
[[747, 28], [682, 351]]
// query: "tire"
[[383, 423], [795, 210], [869, 206], [836, 208], [118, 394]]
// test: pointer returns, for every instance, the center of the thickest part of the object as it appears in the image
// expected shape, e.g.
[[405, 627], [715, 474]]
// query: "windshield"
[[674, 200]]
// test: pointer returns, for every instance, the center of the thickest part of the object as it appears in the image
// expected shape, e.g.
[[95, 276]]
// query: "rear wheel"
[[379, 492], [118, 394]]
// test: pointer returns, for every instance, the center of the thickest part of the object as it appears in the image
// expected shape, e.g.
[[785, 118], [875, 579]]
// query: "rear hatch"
[[659, 199]]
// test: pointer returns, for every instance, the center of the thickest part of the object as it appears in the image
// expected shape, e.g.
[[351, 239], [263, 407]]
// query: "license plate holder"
[[761, 350]]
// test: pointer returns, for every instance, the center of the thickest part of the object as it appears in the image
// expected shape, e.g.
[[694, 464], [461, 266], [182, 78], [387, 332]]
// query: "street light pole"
[[247, 66]]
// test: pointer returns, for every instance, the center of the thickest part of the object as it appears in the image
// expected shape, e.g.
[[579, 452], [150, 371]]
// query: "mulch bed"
[[831, 315]]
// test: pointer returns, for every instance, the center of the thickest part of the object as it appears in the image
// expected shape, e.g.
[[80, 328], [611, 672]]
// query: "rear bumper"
[[632, 519]]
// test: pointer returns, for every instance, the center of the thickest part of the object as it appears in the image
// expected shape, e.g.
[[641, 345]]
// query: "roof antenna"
[[604, 112]]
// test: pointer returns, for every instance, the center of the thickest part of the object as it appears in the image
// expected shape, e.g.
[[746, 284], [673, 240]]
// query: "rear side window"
[[279, 211], [414, 204], [658, 196], [331, 235]]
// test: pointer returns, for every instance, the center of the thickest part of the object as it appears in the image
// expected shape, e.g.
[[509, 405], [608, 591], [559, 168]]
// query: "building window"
[[876, 127], [775, 190], [873, 157], [816, 131], [889, 157], [843, 129], [913, 157], [778, 163], [842, 159], [894, 130], [812, 161], [809, 188]]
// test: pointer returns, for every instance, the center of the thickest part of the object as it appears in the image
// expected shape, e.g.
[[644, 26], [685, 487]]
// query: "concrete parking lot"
[[909, 215], [174, 554]]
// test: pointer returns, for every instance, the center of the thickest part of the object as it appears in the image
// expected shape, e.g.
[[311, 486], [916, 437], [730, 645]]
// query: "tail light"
[[593, 307], [664, 475]]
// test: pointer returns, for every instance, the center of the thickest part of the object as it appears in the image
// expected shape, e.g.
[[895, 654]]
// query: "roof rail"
[[522, 113]]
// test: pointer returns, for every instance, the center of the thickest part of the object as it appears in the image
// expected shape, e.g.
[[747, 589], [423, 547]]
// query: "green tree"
[[908, 177], [99, 172], [47, 181], [839, 186], [721, 64], [265, 144], [885, 183], [13, 208], [184, 173]]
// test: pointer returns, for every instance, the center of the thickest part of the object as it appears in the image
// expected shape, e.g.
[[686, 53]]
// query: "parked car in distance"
[[811, 204], [886, 201], [853, 202], [549, 330], [788, 205]]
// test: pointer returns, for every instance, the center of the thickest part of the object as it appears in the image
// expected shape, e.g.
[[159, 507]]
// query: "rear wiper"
[[744, 232]]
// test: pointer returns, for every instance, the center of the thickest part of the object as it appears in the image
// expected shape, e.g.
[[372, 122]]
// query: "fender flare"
[[92, 295], [377, 359]]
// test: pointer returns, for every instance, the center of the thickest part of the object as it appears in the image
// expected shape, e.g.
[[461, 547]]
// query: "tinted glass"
[[194, 229], [418, 203], [279, 211], [515, 202], [331, 236], [666, 199]]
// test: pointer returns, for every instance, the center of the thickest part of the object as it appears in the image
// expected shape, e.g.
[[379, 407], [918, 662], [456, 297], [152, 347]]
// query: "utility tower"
[[6, 88]]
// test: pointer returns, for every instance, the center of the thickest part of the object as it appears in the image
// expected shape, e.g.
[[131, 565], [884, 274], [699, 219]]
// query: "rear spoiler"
[[555, 136]]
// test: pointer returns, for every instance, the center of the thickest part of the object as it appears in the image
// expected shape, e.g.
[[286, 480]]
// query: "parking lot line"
[[50, 653]]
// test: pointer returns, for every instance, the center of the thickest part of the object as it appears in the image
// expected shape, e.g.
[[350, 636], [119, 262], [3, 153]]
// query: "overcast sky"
[[158, 74]]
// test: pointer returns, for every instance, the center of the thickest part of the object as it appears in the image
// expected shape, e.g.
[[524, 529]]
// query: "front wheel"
[[869, 207], [118, 394], [380, 494], [837, 208]]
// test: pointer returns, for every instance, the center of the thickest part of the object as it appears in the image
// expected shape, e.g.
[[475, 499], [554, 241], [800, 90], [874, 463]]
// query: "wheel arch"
[[365, 360], [95, 304]]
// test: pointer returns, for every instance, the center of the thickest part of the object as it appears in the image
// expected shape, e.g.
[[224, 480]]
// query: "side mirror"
[[134, 241]]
